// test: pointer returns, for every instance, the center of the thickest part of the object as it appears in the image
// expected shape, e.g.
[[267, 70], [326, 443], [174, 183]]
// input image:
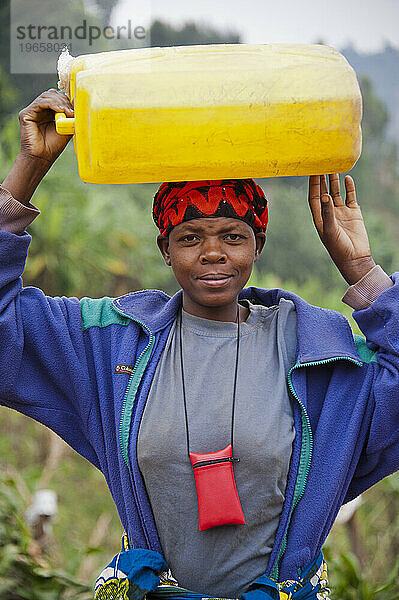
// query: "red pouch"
[[218, 501]]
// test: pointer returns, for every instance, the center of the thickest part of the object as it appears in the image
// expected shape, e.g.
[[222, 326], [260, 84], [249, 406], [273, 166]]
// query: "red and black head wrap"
[[185, 200]]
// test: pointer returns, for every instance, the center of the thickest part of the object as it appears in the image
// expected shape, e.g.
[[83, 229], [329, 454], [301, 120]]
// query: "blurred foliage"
[[100, 240], [82, 493], [106, 8], [374, 575], [24, 576], [375, 112], [8, 96], [350, 583], [164, 34]]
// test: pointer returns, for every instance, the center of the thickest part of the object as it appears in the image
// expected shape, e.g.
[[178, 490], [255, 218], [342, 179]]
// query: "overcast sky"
[[368, 24]]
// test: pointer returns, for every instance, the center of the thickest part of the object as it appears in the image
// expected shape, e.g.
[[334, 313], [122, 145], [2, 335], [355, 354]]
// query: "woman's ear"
[[163, 245], [260, 239]]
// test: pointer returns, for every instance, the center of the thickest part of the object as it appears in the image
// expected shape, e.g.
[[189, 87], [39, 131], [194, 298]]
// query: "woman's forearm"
[[24, 176]]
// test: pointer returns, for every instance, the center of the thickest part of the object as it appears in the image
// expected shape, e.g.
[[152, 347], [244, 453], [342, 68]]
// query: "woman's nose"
[[212, 251]]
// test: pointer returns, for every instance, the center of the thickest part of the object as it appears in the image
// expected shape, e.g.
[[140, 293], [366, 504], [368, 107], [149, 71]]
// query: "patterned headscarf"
[[185, 200]]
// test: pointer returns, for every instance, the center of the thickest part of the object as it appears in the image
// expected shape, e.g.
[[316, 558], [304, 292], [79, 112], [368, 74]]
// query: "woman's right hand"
[[40, 144], [39, 137]]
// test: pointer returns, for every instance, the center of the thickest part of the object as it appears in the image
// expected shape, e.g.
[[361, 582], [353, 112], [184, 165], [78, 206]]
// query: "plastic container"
[[213, 112]]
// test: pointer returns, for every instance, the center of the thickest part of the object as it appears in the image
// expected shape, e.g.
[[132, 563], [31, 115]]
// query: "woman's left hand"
[[340, 226]]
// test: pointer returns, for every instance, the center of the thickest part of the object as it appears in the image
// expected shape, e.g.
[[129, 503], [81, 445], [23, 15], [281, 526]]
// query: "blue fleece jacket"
[[84, 369]]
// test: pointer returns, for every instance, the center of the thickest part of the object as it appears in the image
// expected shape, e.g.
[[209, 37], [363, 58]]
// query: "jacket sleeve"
[[14, 216], [380, 324], [43, 369]]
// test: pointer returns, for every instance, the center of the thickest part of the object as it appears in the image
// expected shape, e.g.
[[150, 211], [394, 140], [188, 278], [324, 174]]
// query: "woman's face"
[[212, 259]]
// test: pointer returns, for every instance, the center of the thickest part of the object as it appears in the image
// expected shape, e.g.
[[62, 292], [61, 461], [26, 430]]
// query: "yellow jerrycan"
[[213, 112]]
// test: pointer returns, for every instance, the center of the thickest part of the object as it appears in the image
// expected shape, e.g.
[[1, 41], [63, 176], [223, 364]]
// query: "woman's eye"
[[186, 237], [235, 236]]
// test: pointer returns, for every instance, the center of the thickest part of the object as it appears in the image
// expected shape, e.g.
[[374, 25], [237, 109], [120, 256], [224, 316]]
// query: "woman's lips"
[[215, 282]]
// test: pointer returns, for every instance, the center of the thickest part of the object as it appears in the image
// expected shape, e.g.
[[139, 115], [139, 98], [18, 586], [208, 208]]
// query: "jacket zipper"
[[140, 366], [306, 452], [124, 430]]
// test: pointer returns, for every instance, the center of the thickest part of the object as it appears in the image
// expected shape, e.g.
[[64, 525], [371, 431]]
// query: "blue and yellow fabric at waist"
[[137, 574]]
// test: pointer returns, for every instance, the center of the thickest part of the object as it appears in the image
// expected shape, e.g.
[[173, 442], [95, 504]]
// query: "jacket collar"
[[322, 334]]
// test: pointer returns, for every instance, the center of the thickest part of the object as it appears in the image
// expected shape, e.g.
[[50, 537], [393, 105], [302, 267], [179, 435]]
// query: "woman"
[[230, 423]]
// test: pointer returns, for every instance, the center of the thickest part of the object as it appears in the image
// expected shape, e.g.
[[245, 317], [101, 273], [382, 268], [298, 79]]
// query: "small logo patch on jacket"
[[123, 369]]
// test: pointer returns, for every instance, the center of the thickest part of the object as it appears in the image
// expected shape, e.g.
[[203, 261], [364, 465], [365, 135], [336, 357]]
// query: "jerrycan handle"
[[64, 125]]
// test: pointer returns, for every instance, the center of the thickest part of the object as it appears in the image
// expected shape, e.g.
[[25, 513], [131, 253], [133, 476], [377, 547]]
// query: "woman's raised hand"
[[340, 225], [40, 144], [39, 137]]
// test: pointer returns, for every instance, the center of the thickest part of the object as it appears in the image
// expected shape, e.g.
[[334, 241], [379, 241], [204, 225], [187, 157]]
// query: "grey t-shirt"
[[221, 561]]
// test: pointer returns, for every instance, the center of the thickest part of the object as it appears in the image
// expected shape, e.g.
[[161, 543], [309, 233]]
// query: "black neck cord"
[[235, 379]]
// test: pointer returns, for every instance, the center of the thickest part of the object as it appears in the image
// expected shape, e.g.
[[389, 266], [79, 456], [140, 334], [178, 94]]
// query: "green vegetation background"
[[100, 240]]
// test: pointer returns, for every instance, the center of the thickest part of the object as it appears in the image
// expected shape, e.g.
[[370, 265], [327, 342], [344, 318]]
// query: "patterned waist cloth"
[[137, 574]]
